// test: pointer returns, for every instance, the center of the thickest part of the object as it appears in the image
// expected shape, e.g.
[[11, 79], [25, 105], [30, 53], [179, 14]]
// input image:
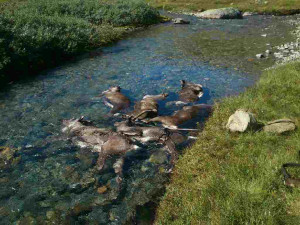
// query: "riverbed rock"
[[102, 189], [180, 21], [158, 157], [223, 13], [268, 52], [241, 121], [8, 157], [260, 56], [280, 126]]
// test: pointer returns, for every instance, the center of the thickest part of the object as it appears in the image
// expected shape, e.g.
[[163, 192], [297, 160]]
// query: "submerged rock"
[[223, 13], [158, 157], [8, 157], [102, 189], [241, 121], [280, 126]]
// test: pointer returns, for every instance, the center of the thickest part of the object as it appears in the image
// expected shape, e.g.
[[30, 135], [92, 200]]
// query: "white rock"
[[241, 121], [260, 56]]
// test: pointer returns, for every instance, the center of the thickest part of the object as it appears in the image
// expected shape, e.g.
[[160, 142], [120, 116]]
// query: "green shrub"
[[35, 34], [117, 13]]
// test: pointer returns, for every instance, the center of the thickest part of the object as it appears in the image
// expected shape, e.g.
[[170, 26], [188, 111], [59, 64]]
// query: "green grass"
[[262, 6], [228, 178], [37, 34]]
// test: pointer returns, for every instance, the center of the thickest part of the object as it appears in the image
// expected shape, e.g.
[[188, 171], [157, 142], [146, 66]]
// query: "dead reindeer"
[[183, 115], [103, 141], [145, 134], [147, 107], [190, 92], [169, 142], [115, 99]]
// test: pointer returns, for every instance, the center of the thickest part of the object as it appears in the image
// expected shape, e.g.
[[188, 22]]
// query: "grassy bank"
[[230, 178], [262, 6], [36, 34]]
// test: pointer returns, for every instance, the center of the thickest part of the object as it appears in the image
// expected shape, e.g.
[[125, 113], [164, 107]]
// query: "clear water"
[[49, 180]]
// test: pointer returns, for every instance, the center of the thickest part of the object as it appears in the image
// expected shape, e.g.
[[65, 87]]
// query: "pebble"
[[260, 56], [102, 189], [268, 52]]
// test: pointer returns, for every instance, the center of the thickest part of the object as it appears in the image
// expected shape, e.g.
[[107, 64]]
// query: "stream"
[[44, 179]]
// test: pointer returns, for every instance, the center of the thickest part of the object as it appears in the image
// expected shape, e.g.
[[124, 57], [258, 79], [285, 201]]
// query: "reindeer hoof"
[[119, 180]]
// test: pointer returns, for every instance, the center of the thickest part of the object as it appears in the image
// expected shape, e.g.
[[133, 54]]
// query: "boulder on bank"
[[180, 21], [223, 13], [280, 126], [241, 121]]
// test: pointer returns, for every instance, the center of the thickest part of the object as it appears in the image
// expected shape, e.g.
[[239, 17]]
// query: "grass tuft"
[[228, 178]]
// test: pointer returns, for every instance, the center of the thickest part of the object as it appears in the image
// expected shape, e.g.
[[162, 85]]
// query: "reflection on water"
[[45, 179]]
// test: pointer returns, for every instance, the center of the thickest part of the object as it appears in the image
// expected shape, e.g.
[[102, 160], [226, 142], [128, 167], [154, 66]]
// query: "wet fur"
[[181, 116], [190, 92], [147, 107], [116, 100], [105, 142]]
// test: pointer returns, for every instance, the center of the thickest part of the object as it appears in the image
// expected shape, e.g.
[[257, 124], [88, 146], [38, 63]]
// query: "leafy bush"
[[117, 13], [38, 33]]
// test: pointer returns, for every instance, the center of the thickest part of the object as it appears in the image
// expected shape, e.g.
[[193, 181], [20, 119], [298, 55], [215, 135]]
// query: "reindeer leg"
[[171, 148], [108, 104], [118, 167], [101, 161]]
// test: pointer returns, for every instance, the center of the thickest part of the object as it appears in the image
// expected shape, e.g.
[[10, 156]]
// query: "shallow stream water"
[[45, 179]]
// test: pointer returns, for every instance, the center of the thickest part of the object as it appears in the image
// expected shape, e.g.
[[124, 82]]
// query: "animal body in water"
[[147, 107], [146, 134], [190, 92], [115, 99], [167, 138], [183, 115], [103, 141]]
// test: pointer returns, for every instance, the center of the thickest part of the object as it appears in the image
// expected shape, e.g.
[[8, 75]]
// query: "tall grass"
[[228, 178], [36, 34]]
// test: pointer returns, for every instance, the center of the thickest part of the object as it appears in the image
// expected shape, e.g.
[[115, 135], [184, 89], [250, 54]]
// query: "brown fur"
[[190, 92], [148, 107], [103, 141], [181, 116], [118, 100]]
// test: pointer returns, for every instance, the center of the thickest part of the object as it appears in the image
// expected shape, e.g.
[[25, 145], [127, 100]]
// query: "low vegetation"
[[228, 178], [36, 34], [262, 6]]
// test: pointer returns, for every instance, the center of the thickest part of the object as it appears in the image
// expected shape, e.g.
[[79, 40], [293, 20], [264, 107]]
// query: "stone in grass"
[[223, 13], [260, 56], [180, 21], [241, 121], [280, 126]]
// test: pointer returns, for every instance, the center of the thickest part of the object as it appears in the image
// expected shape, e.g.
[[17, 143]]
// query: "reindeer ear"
[[182, 82]]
